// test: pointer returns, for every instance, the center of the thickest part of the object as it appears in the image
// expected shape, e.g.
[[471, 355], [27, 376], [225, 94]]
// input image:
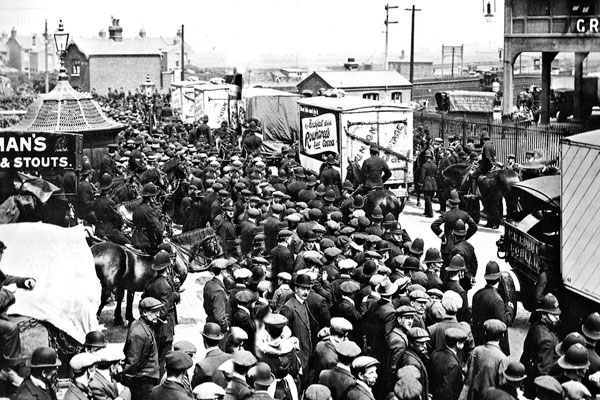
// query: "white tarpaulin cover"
[[67, 293]]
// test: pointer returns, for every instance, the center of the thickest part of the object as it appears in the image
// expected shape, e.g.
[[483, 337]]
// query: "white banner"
[[319, 134]]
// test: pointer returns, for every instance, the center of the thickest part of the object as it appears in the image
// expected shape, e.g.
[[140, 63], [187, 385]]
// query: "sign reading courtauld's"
[[40, 151]]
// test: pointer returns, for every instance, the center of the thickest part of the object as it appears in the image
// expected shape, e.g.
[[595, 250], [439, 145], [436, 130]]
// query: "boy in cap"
[[325, 356], [141, 354], [339, 379], [208, 391], [83, 367], [104, 385], [446, 366], [177, 364], [364, 370], [243, 316]]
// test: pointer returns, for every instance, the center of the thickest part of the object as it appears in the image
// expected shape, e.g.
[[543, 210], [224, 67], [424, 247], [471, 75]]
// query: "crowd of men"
[[312, 296]]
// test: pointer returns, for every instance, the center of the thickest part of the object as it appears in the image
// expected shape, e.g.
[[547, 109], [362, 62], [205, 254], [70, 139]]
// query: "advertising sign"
[[40, 151], [319, 134]]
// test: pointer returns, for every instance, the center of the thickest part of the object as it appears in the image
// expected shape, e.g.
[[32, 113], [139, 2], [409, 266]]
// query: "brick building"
[[19, 49], [422, 69], [375, 85], [101, 63]]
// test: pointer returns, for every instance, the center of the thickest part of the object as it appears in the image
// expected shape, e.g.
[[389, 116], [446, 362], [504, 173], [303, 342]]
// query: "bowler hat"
[[44, 357], [303, 280], [591, 326], [377, 213], [320, 190], [411, 263], [492, 271], [263, 375], [515, 372], [329, 195], [178, 361], [359, 201], [212, 331], [347, 348], [95, 339]]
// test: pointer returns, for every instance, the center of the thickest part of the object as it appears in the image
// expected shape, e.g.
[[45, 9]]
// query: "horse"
[[493, 186], [379, 197], [126, 190], [121, 268], [199, 247]]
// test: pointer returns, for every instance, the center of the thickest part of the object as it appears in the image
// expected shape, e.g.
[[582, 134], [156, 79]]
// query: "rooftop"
[[108, 47], [354, 79]]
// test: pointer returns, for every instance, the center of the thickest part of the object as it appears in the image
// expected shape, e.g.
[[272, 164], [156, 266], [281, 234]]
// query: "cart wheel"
[[508, 292]]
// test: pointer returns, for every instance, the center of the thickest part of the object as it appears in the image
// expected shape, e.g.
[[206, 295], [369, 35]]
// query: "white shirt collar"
[[38, 382], [363, 384], [299, 299]]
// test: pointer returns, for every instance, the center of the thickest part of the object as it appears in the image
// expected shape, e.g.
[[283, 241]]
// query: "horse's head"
[[455, 173], [212, 246]]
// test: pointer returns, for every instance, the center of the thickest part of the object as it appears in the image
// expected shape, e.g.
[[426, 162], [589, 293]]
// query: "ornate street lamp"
[[61, 40], [148, 90]]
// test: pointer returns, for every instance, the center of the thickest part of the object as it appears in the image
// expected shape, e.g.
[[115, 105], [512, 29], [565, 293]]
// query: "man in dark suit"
[[247, 230], [238, 388], [417, 355], [346, 307], [108, 164], [282, 259], [207, 369], [330, 177], [299, 321], [487, 304], [251, 142], [467, 251], [273, 225], [294, 188], [173, 388], [44, 365], [159, 288], [339, 379], [374, 171], [216, 300], [243, 316], [455, 271], [109, 220], [325, 356], [448, 219], [364, 369], [446, 367], [428, 182]]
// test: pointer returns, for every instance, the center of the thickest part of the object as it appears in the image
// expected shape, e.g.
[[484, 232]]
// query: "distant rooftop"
[[107, 47], [354, 79]]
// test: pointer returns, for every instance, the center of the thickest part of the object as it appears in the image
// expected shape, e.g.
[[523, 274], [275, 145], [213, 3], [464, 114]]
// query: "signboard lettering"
[[39, 150], [319, 134], [587, 26]]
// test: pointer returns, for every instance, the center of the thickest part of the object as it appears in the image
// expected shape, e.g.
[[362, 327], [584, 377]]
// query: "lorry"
[[556, 233], [346, 127]]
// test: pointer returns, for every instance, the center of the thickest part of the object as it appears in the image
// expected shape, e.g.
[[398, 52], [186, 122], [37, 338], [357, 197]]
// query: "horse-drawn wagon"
[[346, 127]]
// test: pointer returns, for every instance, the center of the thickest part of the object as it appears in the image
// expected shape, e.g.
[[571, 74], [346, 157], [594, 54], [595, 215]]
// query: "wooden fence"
[[508, 137]]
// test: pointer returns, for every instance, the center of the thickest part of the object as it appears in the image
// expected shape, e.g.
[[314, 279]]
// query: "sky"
[[245, 29]]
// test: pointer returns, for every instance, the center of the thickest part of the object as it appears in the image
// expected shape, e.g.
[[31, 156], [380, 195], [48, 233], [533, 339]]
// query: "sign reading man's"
[[27, 151], [320, 134]]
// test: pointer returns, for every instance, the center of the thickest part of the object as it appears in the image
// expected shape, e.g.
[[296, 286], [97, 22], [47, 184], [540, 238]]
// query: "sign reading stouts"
[[27, 151], [319, 134]]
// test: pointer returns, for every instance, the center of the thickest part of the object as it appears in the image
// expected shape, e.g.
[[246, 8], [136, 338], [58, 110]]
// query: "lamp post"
[[148, 90], [61, 40]]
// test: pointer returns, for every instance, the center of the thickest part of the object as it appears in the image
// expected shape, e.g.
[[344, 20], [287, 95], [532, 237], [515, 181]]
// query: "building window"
[[371, 96], [397, 97], [76, 68]]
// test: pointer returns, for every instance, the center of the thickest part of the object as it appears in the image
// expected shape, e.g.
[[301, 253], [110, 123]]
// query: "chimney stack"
[[102, 34], [33, 37], [13, 32], [143, 33], [115, 32]]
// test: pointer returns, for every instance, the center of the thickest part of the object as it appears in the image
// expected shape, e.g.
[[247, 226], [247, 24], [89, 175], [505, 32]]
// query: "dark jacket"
[[372, 170], [169, 390], [300, 325], [29, 391], [102, 389], [207, 369], [247, 231], [411, 358], [464, 313], [282, 260], [466, 250], [538, 354], [325, 357], [448, 219], [338, 380], [446, 375], [106, 213], [141, 354], [359, 392], [159, 288], [242, 319], [428, 175], [487, 304], [237, 389], [148, 228], [216, 304], [76, 392]]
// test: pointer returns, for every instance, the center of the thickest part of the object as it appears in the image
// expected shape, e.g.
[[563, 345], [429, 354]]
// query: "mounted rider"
[[488, 160], [148, 232], [375, 171], [110, 221]]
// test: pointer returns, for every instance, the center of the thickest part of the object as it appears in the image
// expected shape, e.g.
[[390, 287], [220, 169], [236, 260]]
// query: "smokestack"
[[13, 32], [115, 32], [102, 34], [143, 33]]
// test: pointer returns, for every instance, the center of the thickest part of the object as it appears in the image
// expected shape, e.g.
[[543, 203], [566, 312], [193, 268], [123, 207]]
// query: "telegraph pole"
[[387, 22], [47, 84], [412, 42], [182, 55]]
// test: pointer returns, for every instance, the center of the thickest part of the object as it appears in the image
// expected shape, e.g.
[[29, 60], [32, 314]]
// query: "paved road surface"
[[192, 317]]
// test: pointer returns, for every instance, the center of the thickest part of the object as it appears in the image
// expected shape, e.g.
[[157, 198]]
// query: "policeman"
[[488, 159], [223, 225], [148, 232], [159, 288], [374, 171], [108, 164], [110, 221], [428, 182]]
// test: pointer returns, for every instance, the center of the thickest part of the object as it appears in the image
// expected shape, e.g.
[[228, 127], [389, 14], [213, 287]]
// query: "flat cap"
[[219, 263], [275, 320], [494, 326], [418, 335], [238, 333], [349, 287], [347, 231], [456, 334], [285, 233], [549, 384], [347, 264], [242, 273], [286, 276], [342, 241], [418, 295], [245, 296], [178, 361], [347, 348], [318, 228], [317, 392], [406, 310], [244, 358], [326, 243], [340, 324], [82, 361], [332, 252], [110, 354], [184, 345], [364, 362], [208, 391], [277, 208], [293, 218], [150, 303], [576, 390]]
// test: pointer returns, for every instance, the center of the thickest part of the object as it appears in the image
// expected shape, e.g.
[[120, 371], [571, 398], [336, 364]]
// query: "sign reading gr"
[[21, 150], [590, 25], [320, 134]]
